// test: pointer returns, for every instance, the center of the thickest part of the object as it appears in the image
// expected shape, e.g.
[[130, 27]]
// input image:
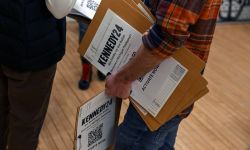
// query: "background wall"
[[235, 10]]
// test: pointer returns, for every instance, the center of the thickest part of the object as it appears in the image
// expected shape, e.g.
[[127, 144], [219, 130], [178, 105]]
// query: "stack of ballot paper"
[[113, 38], [85, 8], [96, 122]]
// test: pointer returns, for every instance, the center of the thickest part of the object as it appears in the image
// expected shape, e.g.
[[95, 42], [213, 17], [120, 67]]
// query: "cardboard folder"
[[186, 104], [185, 93], [154, 124], [125, 9], [188, 99]]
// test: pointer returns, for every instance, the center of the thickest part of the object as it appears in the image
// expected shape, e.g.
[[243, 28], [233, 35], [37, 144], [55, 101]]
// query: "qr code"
[[178, 73], [93, 5], [95, 135]]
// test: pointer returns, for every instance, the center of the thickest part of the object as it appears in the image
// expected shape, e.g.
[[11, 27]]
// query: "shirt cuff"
[[160, 42]]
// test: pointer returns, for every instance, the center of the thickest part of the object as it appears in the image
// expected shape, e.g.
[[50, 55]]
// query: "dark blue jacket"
[[30, 37]]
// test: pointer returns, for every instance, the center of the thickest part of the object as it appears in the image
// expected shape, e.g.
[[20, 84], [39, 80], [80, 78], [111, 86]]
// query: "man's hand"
[[116, 86], [119, 84]]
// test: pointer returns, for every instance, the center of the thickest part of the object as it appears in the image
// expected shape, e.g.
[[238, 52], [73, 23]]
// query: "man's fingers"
[[117, 93], [107, 91]]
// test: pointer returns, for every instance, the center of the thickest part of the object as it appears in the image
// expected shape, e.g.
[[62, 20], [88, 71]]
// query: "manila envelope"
[[153, 124], [199, 88], [185, 86], [193, 76], [127, 10], [180, 108]]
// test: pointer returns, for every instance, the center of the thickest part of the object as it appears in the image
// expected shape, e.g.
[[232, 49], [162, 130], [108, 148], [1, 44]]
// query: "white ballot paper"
[[85, 8], [96, 123], [114, 44], [153, 90]]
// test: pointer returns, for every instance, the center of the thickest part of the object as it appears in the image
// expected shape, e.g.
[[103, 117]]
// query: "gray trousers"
[[24, 99]]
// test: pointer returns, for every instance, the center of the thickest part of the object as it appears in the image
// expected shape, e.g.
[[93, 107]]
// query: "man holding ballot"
[[188, 23]]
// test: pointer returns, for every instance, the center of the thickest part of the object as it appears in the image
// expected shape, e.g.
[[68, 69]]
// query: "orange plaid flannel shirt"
[[188, 23]]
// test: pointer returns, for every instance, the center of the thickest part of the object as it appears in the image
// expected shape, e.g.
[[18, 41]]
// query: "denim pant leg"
[[161, 139], [169, 140], [134, 134], [130, 131]]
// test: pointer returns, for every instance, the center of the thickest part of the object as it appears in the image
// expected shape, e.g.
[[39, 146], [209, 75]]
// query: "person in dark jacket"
[[32, 41]]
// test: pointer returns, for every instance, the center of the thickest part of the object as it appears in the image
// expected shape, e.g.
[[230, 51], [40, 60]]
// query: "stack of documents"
[[96, 123], [85, 8], [113, 38]]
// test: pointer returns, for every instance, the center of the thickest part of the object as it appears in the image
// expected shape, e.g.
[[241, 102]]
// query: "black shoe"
[[101, 76], [86, 77]]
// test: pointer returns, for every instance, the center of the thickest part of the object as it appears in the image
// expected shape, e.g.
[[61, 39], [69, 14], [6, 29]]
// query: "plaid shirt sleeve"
[[174, 18]]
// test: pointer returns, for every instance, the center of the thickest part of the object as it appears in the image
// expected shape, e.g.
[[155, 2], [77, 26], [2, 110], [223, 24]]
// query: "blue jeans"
[[82, 29], [133, 133]]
